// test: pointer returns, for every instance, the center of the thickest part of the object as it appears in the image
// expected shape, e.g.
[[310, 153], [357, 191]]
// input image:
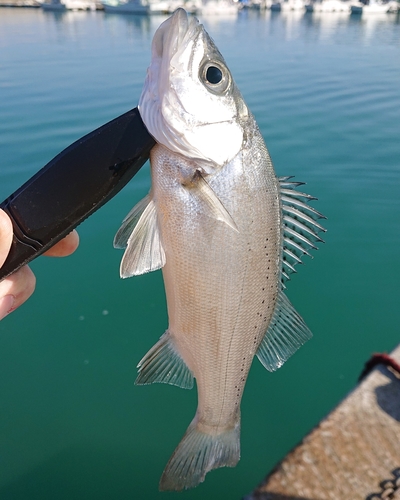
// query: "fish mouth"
[[175, 33], [159, 104]]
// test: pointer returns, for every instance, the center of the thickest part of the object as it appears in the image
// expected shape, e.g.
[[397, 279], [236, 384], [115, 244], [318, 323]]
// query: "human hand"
[[17, 288]]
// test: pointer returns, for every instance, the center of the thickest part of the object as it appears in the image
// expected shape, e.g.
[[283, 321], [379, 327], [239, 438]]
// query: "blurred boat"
[[375, 7], [255, 4], [149, 6], [133, 6], [328, 6], [63, 5], [219, 8], [55, 5], [288, 5]]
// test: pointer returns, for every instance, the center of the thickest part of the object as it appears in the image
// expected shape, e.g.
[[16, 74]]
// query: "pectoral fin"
[[140, 235], [129, 223], [209, 201], [286, 333]]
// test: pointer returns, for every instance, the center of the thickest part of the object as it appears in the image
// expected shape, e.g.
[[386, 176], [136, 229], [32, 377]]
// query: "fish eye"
[[215, 77]]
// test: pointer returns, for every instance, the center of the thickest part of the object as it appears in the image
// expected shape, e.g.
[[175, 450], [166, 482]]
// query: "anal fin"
[[164, 364], [286, 333]]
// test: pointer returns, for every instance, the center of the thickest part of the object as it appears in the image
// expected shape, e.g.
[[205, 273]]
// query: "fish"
[[227, 234]]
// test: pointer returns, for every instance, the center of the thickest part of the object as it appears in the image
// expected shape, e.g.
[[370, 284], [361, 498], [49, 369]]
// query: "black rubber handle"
[[73, 185]]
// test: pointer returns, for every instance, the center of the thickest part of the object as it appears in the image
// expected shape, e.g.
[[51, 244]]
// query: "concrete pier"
[[354, 453]]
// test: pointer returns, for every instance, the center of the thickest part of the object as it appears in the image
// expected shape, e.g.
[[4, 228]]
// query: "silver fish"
[[226, 232]]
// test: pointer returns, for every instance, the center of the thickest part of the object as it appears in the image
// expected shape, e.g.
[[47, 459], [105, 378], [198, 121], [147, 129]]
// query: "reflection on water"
[[136, 23], [330, 24], [379, 28]]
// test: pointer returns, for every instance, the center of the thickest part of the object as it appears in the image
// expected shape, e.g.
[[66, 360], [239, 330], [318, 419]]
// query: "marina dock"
[[19, 3], [216, 7]]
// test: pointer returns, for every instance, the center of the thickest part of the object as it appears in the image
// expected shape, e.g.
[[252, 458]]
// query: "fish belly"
[[221, 284]]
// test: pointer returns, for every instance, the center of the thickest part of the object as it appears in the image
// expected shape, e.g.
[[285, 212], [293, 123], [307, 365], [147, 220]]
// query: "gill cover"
[[190, 103]]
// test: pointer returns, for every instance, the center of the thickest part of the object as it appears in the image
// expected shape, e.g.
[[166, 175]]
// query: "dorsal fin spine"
[[300, 226]]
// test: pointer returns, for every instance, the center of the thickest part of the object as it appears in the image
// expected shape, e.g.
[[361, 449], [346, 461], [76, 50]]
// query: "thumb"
[[6, 234]]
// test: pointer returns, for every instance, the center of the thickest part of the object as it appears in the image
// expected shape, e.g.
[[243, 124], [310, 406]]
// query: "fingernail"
[[6, 305]]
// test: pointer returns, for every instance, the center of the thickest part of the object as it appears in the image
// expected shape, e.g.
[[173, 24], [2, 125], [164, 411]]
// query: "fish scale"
[[223, 291]]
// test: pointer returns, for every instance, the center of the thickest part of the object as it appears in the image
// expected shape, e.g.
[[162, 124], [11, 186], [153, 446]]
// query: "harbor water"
[[325, 90]]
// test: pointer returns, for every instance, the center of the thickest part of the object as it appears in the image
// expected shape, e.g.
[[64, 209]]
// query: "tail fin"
[[197, 454]]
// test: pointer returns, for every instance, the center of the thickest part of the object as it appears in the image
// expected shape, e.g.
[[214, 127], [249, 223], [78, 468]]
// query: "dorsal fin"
[[300, 232]]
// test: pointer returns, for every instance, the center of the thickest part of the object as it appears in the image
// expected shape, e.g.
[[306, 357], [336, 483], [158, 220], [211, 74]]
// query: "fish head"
[[190, 102]]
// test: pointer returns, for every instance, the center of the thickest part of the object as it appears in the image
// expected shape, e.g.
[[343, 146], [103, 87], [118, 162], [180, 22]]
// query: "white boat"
[[148, 6], [54, 5], [193, 6], [64, 5], [255, 4], [288, 5], [125, 7], [218, 7], [374, 7], [328, 6]]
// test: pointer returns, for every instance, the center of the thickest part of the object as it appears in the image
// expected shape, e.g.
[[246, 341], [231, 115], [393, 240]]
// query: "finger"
[[6, 234], [15, 290], [64, 247]]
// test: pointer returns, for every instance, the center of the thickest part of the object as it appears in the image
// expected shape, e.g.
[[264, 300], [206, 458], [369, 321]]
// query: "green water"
[[326, 94]]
